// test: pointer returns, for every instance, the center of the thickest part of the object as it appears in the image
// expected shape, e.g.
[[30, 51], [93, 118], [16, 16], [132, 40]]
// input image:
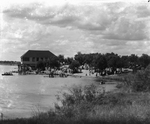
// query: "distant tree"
[[125, 61], [133, 59], [144, 60], [68, 60], [61, 58], [113, 60], [54, 62], [41, 65], [100, 62], [89, 58], [119, 62], [80, 58], [74, 66], [10, 62]]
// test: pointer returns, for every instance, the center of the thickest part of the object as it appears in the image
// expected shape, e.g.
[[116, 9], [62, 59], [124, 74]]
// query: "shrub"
[[78, 100], [139, 81]]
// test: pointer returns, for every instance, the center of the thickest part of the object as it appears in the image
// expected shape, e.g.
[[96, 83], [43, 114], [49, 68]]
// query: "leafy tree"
[[54, 62], [100, 62], [144, 60], [61, 58], [133, 60], [125, 61], [119, 62], [41, 65], [68, 60], [74, 66], [80, 58], [89, 58], [113, 61]]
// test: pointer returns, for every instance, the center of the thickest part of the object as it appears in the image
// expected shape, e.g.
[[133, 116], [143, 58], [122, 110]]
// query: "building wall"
[[33, 60]]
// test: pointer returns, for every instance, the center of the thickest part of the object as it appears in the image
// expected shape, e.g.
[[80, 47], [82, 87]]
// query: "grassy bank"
[[119, 109], [86, 105]]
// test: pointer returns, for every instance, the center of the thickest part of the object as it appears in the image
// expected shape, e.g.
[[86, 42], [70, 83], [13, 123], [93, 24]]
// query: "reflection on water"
[[21, 95]]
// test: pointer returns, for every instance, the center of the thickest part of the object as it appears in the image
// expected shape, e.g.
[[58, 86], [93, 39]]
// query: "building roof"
[[38, 53]]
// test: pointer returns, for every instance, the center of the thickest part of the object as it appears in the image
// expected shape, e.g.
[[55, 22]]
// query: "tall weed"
[[139, 82]]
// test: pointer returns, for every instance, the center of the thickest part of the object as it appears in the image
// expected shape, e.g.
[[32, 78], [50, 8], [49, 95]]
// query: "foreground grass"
[[110, 108]]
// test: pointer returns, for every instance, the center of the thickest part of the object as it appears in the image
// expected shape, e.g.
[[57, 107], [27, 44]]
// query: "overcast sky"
[[69, 26]]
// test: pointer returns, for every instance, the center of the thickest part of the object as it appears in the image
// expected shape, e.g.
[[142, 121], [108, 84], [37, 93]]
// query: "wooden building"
[[32, 57]]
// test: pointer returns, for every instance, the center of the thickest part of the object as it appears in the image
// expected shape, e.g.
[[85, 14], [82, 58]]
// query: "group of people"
[[61, 73]]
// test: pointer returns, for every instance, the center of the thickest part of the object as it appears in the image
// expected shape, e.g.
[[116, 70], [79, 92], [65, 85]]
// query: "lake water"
[[23, 95]]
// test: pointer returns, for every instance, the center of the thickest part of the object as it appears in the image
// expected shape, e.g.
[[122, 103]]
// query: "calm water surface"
[[23, 95]]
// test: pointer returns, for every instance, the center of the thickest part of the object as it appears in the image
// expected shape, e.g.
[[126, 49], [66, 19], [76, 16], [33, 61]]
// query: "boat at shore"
[[7, 74]]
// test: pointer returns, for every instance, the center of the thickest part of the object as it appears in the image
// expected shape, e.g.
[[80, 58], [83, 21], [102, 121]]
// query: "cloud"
[[116, 20], [62, 42], [127, 29], [101, 27], [143, 11]]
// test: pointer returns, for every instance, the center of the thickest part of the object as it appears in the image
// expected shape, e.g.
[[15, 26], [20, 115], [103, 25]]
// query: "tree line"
[[9, 62], [108, 60], [100, 61], [112, 60]]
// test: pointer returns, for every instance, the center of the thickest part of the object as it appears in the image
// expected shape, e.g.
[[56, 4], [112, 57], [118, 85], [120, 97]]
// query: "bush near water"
[[138, 82]]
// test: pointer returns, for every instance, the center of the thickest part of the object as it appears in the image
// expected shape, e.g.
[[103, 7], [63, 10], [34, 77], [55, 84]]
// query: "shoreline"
[[118, 108], [87, 78]]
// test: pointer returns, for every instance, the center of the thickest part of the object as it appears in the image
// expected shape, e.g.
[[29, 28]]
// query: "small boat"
[[7, 74]]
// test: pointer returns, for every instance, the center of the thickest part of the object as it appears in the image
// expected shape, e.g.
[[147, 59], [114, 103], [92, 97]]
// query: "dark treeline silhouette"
[[110, 60], [58, 62], [53, 62], [9, 62]]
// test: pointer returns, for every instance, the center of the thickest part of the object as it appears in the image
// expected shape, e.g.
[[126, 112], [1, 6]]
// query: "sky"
[[69, 26]]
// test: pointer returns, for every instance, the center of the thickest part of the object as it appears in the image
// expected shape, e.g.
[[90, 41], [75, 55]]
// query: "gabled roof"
[[38, 53]]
